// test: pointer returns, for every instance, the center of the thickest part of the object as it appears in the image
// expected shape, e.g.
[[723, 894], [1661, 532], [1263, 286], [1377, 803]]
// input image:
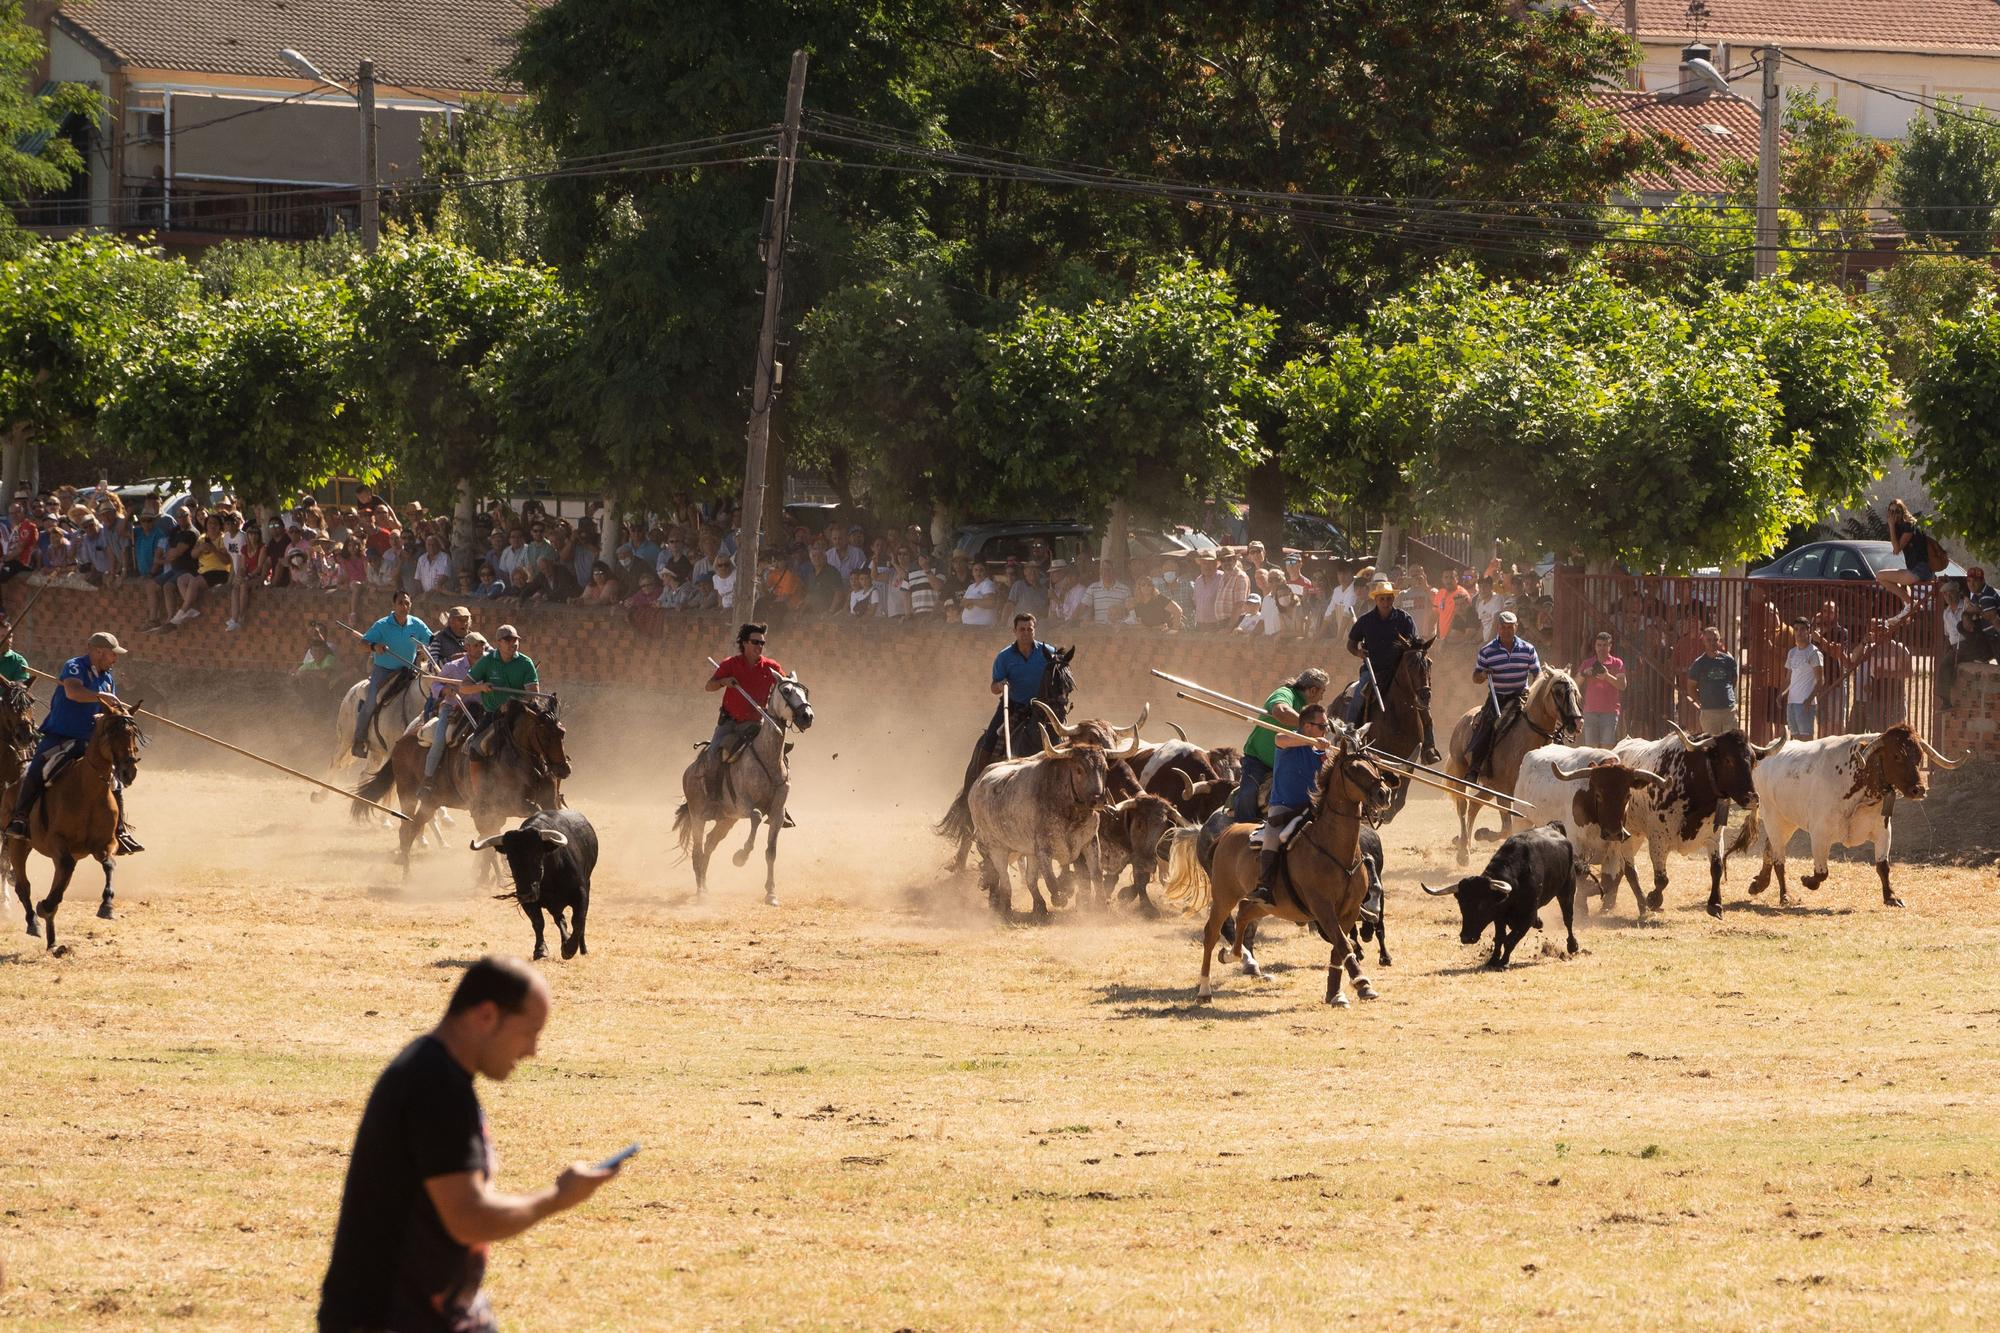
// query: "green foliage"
[[1921, 291], [253, 391], [1946, 182], [35, 156], [496, 144], [1828, 176], [1956, 400], [253, 268], [67, 309], [1146, 399], [432, 328], [1687, 247], [1585, 414]]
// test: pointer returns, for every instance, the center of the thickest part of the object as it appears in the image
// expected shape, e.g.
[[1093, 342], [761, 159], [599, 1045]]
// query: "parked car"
[[174, 493], [1025, 540], [1859, 560], [1315, 532]]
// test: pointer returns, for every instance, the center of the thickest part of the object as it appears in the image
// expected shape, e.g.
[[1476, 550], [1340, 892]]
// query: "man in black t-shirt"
[[419, 1209]]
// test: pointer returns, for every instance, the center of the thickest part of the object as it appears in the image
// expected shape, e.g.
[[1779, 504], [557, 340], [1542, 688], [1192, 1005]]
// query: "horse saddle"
[[1285, 834], [59, 758]]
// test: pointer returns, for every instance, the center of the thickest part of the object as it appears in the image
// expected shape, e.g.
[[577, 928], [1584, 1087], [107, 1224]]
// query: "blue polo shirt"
[[67, 717], [1023, 674], [399, 643], [1509, 669], [1295, 773]]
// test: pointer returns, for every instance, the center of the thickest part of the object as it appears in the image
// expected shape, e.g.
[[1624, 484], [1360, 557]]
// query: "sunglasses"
[[755, 643]]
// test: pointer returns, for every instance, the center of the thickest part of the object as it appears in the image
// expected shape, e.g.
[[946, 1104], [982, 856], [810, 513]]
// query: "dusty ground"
[[877, 1107]]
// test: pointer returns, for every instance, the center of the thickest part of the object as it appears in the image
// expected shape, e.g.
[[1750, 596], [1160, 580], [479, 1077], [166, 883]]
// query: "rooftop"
[[451, 45], [1717, 130], [1942, 27]]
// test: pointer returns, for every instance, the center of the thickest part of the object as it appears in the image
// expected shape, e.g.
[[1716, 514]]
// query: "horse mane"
[[1544, 683]]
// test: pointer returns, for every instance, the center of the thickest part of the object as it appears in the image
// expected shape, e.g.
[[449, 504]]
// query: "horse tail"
[[376, 787], [684, 829], [1185, 886], [957, 821]]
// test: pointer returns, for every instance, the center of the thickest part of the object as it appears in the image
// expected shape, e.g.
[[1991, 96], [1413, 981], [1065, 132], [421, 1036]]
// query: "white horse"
[[393, 716]]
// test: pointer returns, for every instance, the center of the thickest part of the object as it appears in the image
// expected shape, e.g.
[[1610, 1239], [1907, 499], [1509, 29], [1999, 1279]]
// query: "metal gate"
[[1883, 674]]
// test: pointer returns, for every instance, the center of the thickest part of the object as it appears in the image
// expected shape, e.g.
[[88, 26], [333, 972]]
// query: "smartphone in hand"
[[619, 1158]]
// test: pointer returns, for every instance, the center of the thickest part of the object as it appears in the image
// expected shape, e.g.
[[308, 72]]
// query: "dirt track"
[[875, 1106]]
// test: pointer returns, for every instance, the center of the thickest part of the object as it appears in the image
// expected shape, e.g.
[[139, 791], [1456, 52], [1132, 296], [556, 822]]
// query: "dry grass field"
[[877, 1107]]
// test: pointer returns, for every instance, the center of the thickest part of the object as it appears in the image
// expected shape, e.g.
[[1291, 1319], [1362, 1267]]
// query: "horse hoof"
[[540, 953], [739, 859], [104, 912], [1366, 991], [569, 948], [34, 928], [1656, 899], [1892, 900], [770, 900], [1715, 910], [1339, 1000], [1204, 997], [59, 951]]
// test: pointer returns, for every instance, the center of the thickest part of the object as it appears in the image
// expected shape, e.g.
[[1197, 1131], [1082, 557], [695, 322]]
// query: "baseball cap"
[[458, 611], [103, 640], [506, 632], [1509, 618]]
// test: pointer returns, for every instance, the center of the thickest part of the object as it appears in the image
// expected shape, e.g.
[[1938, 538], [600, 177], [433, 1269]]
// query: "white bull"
[[1842, 790], [1587, 791], [1042, 810]]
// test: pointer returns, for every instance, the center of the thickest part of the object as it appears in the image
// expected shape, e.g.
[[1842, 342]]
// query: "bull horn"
[[1123, 807], [1130, 749], [1646, 777], [1505, 889], [1145, 711], [1055, 723], [1435, 893], [553, 837], [1690, 741], [1938, 758], [1187, 783], [1047, 753], [1766, 751], [1175, 727], [481, 844], [1572, 775]]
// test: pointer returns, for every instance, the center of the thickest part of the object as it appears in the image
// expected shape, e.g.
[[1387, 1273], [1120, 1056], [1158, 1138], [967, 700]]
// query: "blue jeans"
[[377, 675], [1364, 689], [1244, 805], [1802, 720], [1600, 730]]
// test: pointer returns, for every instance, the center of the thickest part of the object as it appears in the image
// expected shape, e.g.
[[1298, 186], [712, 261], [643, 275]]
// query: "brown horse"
[[520, 778], [1401, 729], [1322, 879], [1551, 712], [78, 815]]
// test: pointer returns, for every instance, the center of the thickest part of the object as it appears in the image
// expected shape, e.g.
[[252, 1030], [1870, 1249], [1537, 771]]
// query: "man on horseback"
[[1378, 637], [508, 672], [452, 713], [740, 719], [1017, 681], [449, 642], [401, 639], [1292, 781], [1259, 752], [1507, 665], [84, 687], [13, 666]]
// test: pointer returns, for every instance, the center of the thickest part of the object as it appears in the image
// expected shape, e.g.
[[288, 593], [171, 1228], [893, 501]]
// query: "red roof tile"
[[457, 45], [1872, 25], [1718, 130]]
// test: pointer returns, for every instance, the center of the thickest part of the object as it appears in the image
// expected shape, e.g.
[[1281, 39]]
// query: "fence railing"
[[1879, 676]]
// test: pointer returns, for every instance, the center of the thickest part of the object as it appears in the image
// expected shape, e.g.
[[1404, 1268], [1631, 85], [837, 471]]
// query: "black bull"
[[551, 857]]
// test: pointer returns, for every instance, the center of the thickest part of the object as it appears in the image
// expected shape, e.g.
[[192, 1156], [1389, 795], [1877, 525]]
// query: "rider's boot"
[[359, 749], [1267, 862], [31, 791], [127, 844], [1431, 755]]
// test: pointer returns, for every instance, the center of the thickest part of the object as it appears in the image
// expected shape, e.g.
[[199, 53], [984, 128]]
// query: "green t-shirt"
[[14, 667], [1714, 680], [1260, 745], [516, 675]]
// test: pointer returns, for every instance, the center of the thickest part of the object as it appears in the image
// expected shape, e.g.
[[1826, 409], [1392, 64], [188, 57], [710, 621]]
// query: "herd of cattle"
[[1097, 799]]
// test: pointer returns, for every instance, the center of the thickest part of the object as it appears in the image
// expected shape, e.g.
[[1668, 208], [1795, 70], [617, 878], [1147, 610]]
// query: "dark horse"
[[1057, 686], [78, 815], [1403, 728], [520, 778]]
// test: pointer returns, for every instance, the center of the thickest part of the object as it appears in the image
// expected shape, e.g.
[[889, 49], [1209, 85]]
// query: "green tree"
[[1955, 400], [1829, 174], [432, 322], [255, 392], [487, 161], [36, 156], [252, 268], [1946, 183], [67, 309], [1917, 294]]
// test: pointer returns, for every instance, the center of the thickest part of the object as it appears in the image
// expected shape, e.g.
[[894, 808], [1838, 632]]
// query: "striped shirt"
[[1509, 669]]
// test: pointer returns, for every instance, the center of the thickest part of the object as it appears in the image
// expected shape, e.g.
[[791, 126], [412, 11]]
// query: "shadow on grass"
[[1790, 909], [1175, 1002], [457, 964]]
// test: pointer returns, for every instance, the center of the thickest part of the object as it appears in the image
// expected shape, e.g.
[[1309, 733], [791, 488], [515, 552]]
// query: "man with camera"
[[1603, 677]]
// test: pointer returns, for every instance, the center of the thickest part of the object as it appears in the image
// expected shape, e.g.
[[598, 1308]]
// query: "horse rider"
[[449, 640], [740, 719], [1507, 665], [13, 666], [1019, 670], [399, 638], [1292, 781], [506, 671], [1260, 754], [1378, 637], [450, 710], [84, 687]]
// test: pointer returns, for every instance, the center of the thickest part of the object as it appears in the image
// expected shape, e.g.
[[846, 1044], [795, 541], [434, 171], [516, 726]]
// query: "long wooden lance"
[[1287, 731], [1458, 785], [237, 749]]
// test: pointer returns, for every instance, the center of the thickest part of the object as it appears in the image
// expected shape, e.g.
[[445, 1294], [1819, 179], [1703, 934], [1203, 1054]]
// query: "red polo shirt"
[[756, 678]]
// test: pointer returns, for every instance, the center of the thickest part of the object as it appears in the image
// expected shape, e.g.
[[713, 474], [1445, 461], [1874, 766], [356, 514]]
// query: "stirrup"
[[1264, 894], [127, 844], [17, 827]]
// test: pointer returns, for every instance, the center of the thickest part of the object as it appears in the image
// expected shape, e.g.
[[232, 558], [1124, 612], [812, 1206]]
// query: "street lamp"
[[364, 102], [1712, 80]]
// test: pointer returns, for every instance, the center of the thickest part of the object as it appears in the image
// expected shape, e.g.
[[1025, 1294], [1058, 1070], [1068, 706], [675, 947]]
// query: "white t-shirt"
[[1489, 612], [1953, 635], [1806, 665], [1108, 603], [979, 615], [433, 570], [725, 590], [866, 601]]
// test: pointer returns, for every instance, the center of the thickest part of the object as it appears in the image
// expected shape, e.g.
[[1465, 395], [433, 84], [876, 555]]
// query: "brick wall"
[[938, 667], [1973, 720]]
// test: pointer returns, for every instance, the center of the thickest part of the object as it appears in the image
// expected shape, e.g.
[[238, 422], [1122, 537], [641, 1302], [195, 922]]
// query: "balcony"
[[193, 211]]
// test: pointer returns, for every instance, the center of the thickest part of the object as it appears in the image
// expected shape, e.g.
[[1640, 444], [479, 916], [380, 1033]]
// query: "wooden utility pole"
[[371, 159], [750, 521], [1769, 114]]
